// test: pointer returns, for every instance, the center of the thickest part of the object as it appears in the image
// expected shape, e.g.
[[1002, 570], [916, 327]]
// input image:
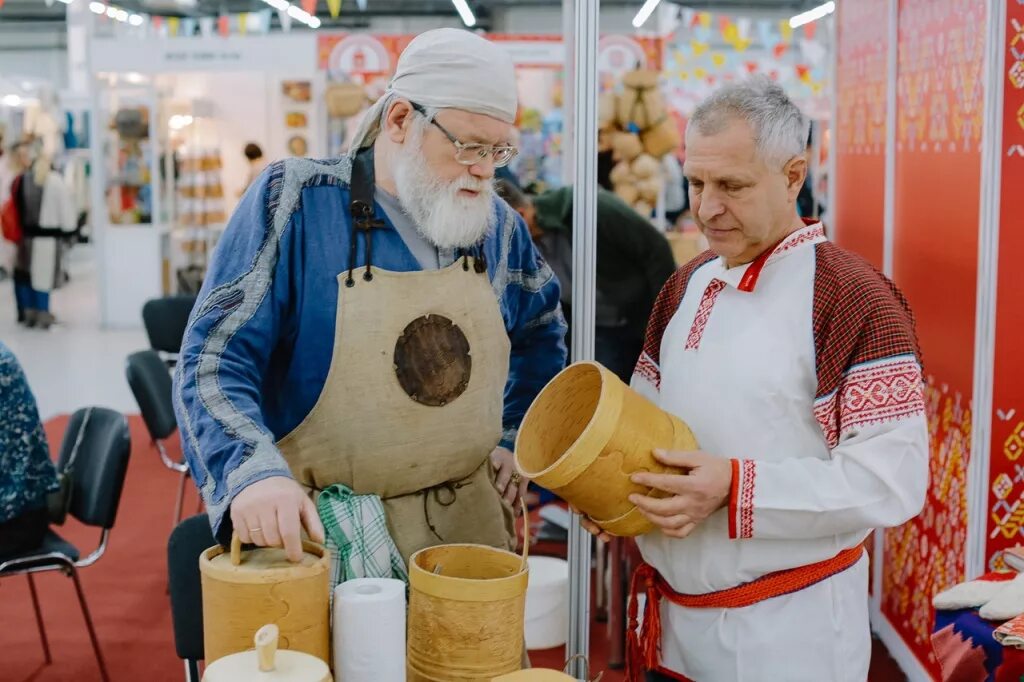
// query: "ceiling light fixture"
[[645, 13], [295, 12], [465, 12], [810, 15], [97, 7], [11, 101]]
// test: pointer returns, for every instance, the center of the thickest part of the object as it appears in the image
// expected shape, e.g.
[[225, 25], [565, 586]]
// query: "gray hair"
[[780, 128]]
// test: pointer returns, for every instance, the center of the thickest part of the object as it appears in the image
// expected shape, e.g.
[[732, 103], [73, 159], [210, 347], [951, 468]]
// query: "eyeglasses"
[[472, 153]]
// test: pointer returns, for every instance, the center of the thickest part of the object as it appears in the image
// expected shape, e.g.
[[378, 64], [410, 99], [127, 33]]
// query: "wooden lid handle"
[[236, 549], [266, 646]]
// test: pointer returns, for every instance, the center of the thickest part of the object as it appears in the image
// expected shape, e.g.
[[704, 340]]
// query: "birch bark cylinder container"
[[261, 586], [586, 434], [267, 664], [466, 613]]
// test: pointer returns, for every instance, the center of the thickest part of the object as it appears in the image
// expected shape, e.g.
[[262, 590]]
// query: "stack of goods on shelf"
[[634, 123], [200, 190]]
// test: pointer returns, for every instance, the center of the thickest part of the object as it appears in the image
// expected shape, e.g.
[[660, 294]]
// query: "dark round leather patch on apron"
[[432, 360]]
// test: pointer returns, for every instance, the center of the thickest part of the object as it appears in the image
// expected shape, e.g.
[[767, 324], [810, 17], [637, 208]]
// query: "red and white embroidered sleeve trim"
[[741, 499], [876, 393], [700, 320], [648, 370]]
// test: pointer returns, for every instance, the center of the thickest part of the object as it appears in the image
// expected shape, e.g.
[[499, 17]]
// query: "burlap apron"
[[400, 414]]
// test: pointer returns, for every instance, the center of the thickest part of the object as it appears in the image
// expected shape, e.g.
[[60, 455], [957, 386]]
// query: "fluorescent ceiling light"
[[294, 12], [465, 12], [644, 13], [121, 15], [136, 20], [11, 101], [812, 14], [97, 7]]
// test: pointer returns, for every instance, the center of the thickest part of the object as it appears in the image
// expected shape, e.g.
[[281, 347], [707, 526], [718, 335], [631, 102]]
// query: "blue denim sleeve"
[[536, 327], [227, 346]]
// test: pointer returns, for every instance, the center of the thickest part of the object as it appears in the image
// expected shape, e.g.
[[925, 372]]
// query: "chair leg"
[[39, 618], [181, 499], [88, 624], [191, 670]]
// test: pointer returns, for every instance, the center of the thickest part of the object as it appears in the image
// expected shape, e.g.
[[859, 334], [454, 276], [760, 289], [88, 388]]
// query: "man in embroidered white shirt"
[[797, 367]]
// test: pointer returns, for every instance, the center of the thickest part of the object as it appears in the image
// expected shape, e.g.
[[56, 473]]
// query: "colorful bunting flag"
[[334, 6], [764, 30], [206, 25], [779, 50], [810, 29], [224, 25], [172, 26], [718, 59], [243, 23], [309, 6], [188, 27], [698, 47], [786, 31]]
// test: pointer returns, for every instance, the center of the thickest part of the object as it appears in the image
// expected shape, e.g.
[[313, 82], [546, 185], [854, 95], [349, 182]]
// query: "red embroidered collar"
[[813, 231]]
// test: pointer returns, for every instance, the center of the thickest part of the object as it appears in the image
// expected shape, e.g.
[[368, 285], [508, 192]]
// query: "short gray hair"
[[780, 128]]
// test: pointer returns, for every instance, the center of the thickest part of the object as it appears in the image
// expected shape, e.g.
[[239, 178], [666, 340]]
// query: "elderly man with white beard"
[[373, 328]]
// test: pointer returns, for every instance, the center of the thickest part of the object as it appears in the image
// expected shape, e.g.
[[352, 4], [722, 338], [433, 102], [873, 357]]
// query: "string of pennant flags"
[[706, 49], [225, 24]]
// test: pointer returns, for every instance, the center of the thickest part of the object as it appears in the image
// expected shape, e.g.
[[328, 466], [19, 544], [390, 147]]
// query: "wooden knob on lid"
[[266, 646]]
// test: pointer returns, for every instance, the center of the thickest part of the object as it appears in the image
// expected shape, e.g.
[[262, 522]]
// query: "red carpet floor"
[[126, 593]]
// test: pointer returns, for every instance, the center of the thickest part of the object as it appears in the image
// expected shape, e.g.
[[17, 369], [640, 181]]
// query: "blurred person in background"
[[633, 262], [27, 474], [257, 162]]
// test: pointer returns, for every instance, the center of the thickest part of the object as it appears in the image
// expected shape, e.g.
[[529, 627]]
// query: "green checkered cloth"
[[357, 537]]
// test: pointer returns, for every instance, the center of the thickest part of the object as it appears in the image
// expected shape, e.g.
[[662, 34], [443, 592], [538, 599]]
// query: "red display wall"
[[858, 222], [937, 201], [1005, 522]]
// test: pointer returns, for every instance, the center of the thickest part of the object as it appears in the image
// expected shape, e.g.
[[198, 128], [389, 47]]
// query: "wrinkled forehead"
[[722, 149]]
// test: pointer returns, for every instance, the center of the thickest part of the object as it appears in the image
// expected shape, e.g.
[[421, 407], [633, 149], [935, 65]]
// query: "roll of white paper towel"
[[369, 630]]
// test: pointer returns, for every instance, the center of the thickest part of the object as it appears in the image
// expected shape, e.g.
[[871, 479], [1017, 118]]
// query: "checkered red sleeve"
[[868, 357], [648, 367]]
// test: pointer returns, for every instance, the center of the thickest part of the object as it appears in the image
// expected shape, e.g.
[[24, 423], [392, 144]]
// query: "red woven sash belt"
[[643, 647]]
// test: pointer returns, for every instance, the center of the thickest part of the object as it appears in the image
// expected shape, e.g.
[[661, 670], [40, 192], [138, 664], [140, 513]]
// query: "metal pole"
[[584, 284], [978, 470]]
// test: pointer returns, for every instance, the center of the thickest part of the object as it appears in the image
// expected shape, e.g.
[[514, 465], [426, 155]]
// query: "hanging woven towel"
[[357, 535]]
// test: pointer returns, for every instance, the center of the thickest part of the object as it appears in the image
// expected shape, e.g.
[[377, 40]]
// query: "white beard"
[[445, 219]]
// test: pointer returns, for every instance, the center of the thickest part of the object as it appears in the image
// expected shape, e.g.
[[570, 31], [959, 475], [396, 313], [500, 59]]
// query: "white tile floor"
[[76, 363]]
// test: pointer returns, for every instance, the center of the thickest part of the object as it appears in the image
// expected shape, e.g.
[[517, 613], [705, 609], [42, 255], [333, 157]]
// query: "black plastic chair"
[[152, 387], [188, 540], [97, 481], [165, 320]]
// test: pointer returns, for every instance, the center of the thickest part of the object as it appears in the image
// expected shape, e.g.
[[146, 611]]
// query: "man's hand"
[[268, 513], [592, 527], [510, 484], [695, 495]]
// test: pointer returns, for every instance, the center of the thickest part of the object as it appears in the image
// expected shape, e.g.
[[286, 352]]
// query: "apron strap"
[[362, 211]]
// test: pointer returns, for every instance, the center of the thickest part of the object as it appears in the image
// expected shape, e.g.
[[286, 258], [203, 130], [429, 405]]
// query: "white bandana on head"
[[448, 68]]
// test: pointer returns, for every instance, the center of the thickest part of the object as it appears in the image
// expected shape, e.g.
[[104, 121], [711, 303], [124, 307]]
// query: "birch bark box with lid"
[[243, 591], [586, 434], [266, 664]]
